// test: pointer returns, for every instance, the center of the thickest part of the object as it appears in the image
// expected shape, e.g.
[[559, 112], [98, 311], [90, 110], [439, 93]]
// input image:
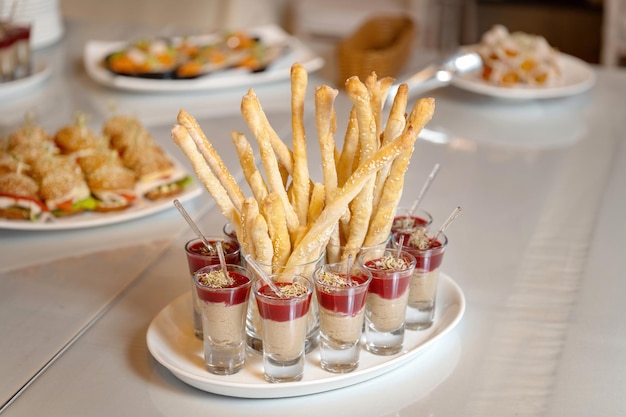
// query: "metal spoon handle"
[[429, 78], [257, 268], [193, 225], [348, 269], [220, 254], [425, 188], [445, 224]]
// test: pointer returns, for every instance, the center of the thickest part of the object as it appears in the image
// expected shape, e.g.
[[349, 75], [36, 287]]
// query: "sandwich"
[[76, 137], [65, 191], [111, 184], [19, 198]]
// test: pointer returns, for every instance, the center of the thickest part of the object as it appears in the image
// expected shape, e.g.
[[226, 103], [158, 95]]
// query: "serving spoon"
[[439, 74]]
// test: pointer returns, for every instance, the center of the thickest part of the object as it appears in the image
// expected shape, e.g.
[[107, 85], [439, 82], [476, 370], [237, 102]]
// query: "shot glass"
[[284, 326], [420, 311], [341, 309], [387, 299], [254, 329], [198, 256], [404, 222], [223, 304]]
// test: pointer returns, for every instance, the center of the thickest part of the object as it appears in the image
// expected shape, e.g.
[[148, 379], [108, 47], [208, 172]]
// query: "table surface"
[[537, 252]]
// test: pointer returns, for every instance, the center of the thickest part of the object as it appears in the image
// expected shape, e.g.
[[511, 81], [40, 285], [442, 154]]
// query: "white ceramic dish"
[[141, 208], [12, 88], [171, 342], [96, 51], [577, 77]]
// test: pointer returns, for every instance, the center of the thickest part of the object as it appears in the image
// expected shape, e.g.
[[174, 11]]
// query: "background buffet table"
[[537, 251]]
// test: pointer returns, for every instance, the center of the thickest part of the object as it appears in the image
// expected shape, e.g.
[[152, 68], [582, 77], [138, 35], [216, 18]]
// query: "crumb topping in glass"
[[419, 239], [390, 263], [335, 280], [215, 279], [294, 289], [404, 223]]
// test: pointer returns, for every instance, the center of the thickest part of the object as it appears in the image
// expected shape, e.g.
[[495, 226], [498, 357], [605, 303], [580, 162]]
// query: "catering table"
[[537, 252]]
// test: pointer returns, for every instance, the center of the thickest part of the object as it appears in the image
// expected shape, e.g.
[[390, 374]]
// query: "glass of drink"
[[387, 299], [223, 301], [198, 256], [423, 290], [284, 326], [341, 309]]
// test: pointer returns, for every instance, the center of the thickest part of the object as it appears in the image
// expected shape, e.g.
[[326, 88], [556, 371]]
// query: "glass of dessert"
[[223, 300], [199, 256], [284, 325], [387, 299], [428, 253], [406, 221], [341, 310], [254, 330]]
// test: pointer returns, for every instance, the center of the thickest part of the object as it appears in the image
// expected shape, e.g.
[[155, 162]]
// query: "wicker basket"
[[382, 44]]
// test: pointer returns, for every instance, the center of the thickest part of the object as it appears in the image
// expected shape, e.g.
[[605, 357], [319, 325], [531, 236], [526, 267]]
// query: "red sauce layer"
[[426, 260], [348, 302], [281, 309], [223, 295], [202, 258], [388, 284]]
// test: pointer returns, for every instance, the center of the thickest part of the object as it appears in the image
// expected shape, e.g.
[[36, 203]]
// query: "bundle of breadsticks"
[[290, 219]]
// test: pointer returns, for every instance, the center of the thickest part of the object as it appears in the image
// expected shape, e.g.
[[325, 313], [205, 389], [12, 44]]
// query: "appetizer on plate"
[[191, 57], [43, 176], [19, 198], [157, 176], [63, 187], [517, 59]]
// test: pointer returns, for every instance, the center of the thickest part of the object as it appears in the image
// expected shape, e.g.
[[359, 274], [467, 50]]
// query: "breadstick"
[[361, 206], [317, 236], [248, 165], [250, 108], [397, 115], [283, 154], [324, 99], [316, 204], [325, 122], [184, 141], [272, 210], [262, 242], [382, 218], [249, 212], [300, 174], [396, 121], [378, 89], [212, 158], [349, 150], [367, 126]]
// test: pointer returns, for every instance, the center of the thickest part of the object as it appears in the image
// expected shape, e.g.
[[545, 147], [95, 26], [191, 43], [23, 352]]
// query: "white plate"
[[11, 88], [141, 208], [172, 343], [577, 76], [96, 51]]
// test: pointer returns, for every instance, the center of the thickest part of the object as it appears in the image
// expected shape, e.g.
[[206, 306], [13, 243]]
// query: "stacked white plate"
[[43, 15]]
